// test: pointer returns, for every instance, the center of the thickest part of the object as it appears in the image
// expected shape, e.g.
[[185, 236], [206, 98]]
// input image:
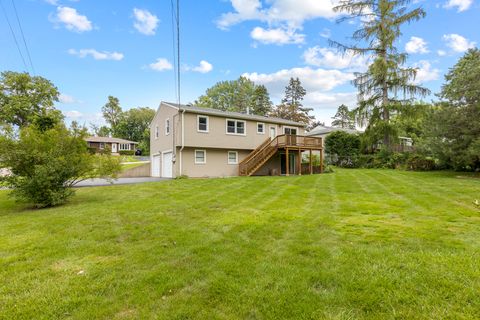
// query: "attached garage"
[[156, 165], [167, 165]]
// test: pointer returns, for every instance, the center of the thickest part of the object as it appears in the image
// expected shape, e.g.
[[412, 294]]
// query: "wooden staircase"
[[258, 157]]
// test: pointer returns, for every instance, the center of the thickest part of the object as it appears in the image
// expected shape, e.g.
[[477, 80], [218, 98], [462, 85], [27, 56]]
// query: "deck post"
[[310, 164], [299, 166], [321, 160], [287, 162]]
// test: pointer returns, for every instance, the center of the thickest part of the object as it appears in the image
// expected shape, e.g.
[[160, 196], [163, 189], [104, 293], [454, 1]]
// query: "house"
[[324, 131], [201, 142], [115, 145]]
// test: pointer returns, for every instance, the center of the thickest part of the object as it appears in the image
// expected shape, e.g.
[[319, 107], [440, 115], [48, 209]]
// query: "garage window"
[[200, 156]]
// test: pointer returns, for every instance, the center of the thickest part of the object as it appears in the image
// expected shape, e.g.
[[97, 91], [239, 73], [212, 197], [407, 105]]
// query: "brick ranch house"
[[201, 142], [115, 145]]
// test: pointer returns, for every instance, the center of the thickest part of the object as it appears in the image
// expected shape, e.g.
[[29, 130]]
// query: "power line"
[[13, 34], [178, 49], [23, 36], [174, 51]]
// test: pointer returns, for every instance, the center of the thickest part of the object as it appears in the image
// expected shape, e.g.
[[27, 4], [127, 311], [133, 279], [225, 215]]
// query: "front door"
[[114, 147], [291, 163], [273, 132]]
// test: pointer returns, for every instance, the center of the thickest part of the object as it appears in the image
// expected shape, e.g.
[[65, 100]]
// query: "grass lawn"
[[126, 166], [356, 244]]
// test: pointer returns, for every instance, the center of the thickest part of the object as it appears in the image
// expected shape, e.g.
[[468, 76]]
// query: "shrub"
[[126, 152], [420, 163], [46, 164], [342, 149]]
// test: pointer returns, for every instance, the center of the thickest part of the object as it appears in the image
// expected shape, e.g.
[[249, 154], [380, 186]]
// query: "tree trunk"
[[385, 106]]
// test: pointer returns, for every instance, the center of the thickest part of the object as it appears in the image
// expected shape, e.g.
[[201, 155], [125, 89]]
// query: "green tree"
[[100, 131], [238, 96], [386, 86], [342, 148], [291, 107], [344, 118], [24, 98], [135, 126], [453, 130], [46, 162], [112, 113]]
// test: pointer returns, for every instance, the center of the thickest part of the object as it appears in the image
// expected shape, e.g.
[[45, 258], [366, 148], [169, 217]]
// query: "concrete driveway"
[[104, 182]]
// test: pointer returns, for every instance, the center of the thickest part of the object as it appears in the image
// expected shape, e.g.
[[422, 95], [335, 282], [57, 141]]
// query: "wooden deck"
[[289, 143]]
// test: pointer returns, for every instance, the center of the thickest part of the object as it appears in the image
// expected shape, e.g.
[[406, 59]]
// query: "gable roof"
[[231, 114], [108, 140], [325, 130]]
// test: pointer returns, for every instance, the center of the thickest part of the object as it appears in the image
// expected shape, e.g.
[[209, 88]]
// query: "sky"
[[92, 49]]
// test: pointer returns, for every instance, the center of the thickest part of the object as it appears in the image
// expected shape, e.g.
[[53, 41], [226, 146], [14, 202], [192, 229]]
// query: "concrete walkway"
[[104, 182]]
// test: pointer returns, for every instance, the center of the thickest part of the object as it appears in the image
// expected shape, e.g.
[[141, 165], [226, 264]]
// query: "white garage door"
[[156, 166], [167, 167]]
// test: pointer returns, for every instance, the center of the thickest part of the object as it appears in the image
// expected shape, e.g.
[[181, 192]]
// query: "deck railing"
[[263, 152]]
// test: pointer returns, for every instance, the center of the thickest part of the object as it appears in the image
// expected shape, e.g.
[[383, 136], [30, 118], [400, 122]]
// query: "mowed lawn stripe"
[[355, 244]]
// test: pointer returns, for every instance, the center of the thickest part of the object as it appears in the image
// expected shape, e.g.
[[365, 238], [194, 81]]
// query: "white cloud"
[[66, 99], [326, 33], [145, 22], [73, 114], [458, 43], [203, 67], [279, 36], [97, 55], [329, 58], [52, 2], [416, 45], [441, 53], [161, 64], [461, 5], [425, 72], [291, 12], [312, 79], [72, 20]]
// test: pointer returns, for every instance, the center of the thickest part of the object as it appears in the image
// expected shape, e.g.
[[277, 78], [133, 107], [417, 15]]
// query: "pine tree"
[[343, 118], [291, 107], [386, 87]]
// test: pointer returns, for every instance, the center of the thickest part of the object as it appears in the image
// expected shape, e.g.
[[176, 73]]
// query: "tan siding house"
[[201, 142]]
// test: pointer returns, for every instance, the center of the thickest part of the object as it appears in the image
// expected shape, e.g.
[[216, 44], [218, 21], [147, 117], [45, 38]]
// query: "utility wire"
[[174, 51], [13, 34], [23, 37], [178, 49]]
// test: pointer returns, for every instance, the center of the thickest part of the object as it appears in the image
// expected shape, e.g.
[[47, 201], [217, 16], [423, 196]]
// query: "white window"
[[124, 146], [156, 132], [167, 127], [232, 157], [102, 145], [200, 156], [260, 128], [235, 127], [202, 123]]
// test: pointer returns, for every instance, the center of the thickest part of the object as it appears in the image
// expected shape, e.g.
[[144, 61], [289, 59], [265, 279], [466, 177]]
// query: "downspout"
[[183, 141]]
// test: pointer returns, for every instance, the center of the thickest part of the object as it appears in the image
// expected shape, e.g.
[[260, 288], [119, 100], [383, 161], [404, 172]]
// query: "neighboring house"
[[202, 142], [324, 131], [115, 145]]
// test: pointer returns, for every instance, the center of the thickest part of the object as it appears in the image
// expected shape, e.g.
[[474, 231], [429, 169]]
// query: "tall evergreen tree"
[[386, 86], [343, 118], [291, 107]]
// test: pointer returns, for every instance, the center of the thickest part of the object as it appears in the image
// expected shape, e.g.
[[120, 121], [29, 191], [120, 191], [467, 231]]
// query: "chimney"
[[248, 109]]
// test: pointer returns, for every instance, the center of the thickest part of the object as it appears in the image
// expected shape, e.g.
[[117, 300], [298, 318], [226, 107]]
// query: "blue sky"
[[92, 49]]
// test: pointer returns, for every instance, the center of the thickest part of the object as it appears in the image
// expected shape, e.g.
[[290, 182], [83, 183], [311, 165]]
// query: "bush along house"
[[186, 140]]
